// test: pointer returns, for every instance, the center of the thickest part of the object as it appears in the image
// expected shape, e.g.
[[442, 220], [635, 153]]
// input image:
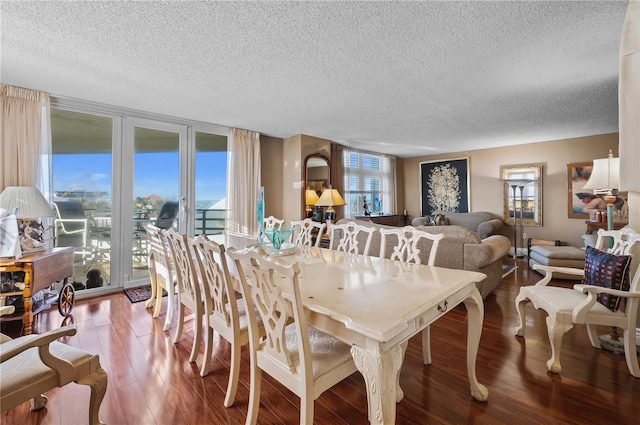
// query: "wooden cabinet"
[[595, 225], [41, 269]]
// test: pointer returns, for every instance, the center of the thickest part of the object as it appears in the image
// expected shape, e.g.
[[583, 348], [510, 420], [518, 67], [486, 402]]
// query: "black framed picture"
[[444, 185]]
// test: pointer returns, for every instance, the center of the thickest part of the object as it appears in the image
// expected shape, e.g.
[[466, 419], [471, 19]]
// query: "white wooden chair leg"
[[631, 353], [208, 350], [234, 375], [197, 337], [556, 331], [593, 336], [154, 281], [426, 345], [306, 410], [171, 299], [254, 394], [180, 320], [521, 302], [97, 381], [158, 301]]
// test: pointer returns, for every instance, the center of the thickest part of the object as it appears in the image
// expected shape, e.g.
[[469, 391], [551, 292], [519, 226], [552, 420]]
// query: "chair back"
[[407, 240], [167, 215], [70, 210], [159, 256], [268, 281], [218, 293], [304, 232], [188, 284], [273, 223], [349, 237]]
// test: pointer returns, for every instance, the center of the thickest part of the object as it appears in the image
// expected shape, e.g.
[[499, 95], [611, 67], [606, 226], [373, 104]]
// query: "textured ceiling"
[[407, 78]]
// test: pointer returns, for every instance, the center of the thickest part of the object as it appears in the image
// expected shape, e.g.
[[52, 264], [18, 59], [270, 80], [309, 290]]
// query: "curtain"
[[392, 199], [337, 175], [243, 181], [24, 132], [629, 99]]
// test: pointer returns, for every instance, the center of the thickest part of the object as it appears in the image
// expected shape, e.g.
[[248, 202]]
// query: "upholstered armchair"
[[33, 364]]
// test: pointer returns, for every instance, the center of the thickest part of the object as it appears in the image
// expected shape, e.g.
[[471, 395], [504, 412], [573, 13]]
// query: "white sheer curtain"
[[243, 181], [25, 137]]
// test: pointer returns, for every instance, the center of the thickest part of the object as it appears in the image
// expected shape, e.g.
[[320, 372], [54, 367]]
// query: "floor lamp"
[[515, 184]]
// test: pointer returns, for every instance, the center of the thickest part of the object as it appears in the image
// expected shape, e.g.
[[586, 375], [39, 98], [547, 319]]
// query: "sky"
[[155, 173]]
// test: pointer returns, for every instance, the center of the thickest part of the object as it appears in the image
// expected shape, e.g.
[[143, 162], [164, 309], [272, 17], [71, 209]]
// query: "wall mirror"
[[522, 194], [317, 175]]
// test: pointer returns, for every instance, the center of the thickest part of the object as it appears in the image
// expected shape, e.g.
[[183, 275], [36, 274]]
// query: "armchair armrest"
[[490, 228], [65, 371], [549, 270], [62, 221], [579, 313]]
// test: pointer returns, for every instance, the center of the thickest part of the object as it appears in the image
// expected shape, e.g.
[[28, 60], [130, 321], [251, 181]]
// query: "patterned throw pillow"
[[608, 271]]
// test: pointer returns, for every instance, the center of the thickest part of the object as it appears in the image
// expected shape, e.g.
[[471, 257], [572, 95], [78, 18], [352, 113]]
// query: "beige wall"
[[272, 175], [486, 189]]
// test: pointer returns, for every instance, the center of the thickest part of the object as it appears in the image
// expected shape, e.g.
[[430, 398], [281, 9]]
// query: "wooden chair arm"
[[580, 312], [550, 270]]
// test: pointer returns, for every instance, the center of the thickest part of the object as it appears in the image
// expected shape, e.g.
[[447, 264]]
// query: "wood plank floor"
[[152, 382]]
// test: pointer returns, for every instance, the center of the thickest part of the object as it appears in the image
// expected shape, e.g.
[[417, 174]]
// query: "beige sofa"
[[459, 249], [483, 223]]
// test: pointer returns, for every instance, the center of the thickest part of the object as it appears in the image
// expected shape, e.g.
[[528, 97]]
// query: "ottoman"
[[558, 256]]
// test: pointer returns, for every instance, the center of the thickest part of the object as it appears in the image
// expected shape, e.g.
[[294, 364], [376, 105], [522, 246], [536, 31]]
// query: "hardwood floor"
[[152, 382]]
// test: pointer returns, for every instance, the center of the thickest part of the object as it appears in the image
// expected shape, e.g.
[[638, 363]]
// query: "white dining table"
[[375, 305]]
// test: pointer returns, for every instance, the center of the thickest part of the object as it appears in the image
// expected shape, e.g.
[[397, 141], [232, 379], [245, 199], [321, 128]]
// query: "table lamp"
[[310, 198], [330, 198], [604, 179], [31, 206]]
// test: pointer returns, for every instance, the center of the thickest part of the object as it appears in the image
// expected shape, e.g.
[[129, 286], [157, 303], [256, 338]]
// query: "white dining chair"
[[406, 249], [306, 230], [303, 359], [346, 237], [189, 289], [162, 275], [224, 310], [272, 222]]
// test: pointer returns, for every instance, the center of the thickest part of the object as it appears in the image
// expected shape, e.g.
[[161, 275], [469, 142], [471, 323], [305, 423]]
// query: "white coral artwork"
[[443, 188]]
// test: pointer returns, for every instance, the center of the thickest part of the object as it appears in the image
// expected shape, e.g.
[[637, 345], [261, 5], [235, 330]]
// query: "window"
[[366, 183]]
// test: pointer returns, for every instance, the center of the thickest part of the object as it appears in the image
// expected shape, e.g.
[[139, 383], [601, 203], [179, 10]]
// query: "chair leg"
[[208, 350], [180, 321], [630, 353], [593, 336], [197, 336], [98, 383], [158, 301], [306, 409], [171, 299], [234, 375], [153, 279], [254, 392], [521, 302], [426, 345], [556, 332]]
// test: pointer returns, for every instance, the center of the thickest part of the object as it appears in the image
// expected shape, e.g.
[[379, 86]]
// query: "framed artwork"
[[444, 185], [577, 175]]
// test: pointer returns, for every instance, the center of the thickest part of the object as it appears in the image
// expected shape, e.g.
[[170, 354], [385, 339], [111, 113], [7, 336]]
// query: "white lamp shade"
[[605, 174], [28, 200], [330, 198], [311, 197]]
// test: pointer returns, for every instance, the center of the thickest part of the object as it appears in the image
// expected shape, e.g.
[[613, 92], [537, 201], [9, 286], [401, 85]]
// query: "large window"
[[366, 183]]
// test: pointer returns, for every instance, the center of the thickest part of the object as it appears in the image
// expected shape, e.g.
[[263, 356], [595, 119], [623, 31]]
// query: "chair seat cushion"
[[562, 300], [607, 271]]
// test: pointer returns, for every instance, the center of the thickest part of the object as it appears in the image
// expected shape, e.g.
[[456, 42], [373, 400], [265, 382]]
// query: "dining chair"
[[609, 295], [407, 250], [188, 284], [161, 274], [347, 237], [224, 311], [306, 230], [33, 364], [303, 359], [272, 222]]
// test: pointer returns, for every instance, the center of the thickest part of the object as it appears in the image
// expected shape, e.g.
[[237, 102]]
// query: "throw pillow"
[[608, 271]]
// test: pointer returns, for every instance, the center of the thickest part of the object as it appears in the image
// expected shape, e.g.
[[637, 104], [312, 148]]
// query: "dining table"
[[376, 305]]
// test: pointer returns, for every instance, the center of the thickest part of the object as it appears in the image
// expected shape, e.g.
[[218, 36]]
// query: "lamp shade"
[[311, 197], [28, 200], [329, 198], [605, 174]]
